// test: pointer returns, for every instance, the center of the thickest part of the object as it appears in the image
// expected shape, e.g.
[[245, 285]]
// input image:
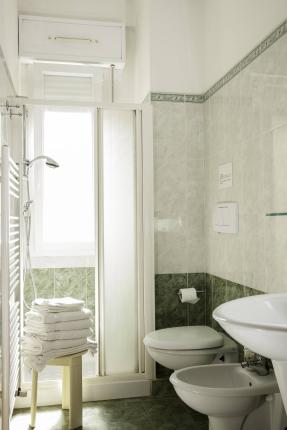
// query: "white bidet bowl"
[[226, 393]]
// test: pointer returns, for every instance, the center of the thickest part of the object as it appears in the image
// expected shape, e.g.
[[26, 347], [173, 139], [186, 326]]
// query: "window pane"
[[68, 204]]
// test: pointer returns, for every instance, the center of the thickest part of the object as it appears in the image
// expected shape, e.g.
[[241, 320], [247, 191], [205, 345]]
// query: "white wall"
[[9, 37], [233, 28], [181, 46], [193, 43], [143, 47], [118, 10], [177, 46], [110, 10]]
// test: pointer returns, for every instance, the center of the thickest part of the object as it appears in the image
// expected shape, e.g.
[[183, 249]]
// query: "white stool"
[[71, 388]]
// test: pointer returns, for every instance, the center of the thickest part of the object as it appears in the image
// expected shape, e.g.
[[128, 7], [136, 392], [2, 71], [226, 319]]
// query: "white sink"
[[260, 324]]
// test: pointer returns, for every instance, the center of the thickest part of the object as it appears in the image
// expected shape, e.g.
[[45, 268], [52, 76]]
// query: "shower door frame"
[[135, 384]]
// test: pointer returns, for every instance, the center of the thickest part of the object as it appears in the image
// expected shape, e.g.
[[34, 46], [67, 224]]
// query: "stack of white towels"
[[53, 328]]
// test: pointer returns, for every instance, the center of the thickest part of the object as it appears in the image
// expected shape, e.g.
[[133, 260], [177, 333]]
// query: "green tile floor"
[[156, 412]]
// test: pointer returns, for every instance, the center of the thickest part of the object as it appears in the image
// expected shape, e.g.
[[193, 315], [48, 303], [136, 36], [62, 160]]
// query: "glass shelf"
[[276, 214]]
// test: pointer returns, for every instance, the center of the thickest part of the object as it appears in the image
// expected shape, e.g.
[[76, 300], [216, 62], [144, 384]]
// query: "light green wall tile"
[[44, 281], [71, 282], [74, 282], [91, 299]]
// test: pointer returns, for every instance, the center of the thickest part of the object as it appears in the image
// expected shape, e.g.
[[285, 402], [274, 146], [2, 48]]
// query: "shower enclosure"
[[92, 235]]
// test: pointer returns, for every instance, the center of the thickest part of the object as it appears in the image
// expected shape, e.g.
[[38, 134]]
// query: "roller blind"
[[68, 86]]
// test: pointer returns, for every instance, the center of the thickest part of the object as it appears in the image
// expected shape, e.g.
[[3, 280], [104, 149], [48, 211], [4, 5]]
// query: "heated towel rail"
[[10, 282]]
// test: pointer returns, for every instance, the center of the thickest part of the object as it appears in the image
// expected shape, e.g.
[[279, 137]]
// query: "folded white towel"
[[42, 328], [62, 304], [57, 335], [38, 362], [35, 346], [49, 317]]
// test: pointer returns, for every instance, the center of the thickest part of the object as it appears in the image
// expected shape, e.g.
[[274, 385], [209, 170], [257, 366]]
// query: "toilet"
[[179, 347], [233, 398]]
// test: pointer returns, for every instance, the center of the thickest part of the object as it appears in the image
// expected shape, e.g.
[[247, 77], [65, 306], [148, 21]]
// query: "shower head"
[[48, 160]]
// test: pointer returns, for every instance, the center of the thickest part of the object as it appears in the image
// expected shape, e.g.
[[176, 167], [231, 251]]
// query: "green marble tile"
[[251, 292], [116, 414], [44, 281], [196, 280], [234, 291], [28, 290], [162, 372], [91, 297], [71, 282], [162, 388], [169, 311], [196, 312], [173, 414], [144, 413], [209, 309], [218, 297]]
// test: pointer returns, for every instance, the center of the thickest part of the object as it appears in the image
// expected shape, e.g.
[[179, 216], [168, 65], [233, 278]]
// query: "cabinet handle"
[[73, 39]]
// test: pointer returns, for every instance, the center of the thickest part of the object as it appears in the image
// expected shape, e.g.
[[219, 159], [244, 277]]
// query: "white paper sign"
[[225, 175]]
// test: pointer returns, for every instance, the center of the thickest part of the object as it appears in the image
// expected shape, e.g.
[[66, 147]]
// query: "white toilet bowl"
[[179, 347], [226, 393]]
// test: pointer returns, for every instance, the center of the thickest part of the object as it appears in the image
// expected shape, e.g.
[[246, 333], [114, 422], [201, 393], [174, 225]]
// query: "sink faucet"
[[255, 363]]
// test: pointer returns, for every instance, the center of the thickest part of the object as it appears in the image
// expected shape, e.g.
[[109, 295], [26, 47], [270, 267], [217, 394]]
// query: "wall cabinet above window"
[[62, 40]]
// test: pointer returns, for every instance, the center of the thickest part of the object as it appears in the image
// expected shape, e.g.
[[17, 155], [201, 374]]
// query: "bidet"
[[260, 323], [227, 393]]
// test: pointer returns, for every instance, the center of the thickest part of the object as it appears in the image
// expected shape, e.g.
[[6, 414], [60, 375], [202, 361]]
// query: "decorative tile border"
[[194, 98], [201, 98], [177, 98], [162, 97]]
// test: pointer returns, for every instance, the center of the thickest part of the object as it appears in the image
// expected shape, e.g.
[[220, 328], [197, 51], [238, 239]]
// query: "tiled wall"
[[246, 123], [170, 312], [179, 187], [73, 282]]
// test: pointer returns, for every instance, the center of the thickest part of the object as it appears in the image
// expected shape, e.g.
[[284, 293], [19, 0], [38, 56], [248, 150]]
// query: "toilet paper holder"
[[198, 291]]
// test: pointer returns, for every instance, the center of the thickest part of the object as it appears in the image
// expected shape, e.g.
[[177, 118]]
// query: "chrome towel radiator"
[[10, 283]]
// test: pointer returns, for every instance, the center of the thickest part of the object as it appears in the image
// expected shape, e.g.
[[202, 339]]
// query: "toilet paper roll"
[[188, 295]]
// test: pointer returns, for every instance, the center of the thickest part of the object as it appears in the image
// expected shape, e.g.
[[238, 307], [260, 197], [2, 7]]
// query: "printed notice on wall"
[[225, 175]]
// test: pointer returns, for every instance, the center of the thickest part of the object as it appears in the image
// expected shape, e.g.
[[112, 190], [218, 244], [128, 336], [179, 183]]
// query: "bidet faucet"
[[256, 363]]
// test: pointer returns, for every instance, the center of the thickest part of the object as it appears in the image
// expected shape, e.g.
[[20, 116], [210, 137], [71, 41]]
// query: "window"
[[64, 197]]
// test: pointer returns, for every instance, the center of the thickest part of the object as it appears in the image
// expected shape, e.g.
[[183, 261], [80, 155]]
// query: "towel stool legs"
[[71, 388], [72, 392], [34, 398]]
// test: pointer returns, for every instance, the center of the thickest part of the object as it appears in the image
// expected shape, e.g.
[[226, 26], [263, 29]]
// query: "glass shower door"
[[120, 224]]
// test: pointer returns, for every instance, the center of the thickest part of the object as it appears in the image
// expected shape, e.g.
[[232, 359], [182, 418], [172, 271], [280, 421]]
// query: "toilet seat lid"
[[191, 337]]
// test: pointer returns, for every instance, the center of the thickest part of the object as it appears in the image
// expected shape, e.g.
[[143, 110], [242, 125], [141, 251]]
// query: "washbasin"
[[260, 324]]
